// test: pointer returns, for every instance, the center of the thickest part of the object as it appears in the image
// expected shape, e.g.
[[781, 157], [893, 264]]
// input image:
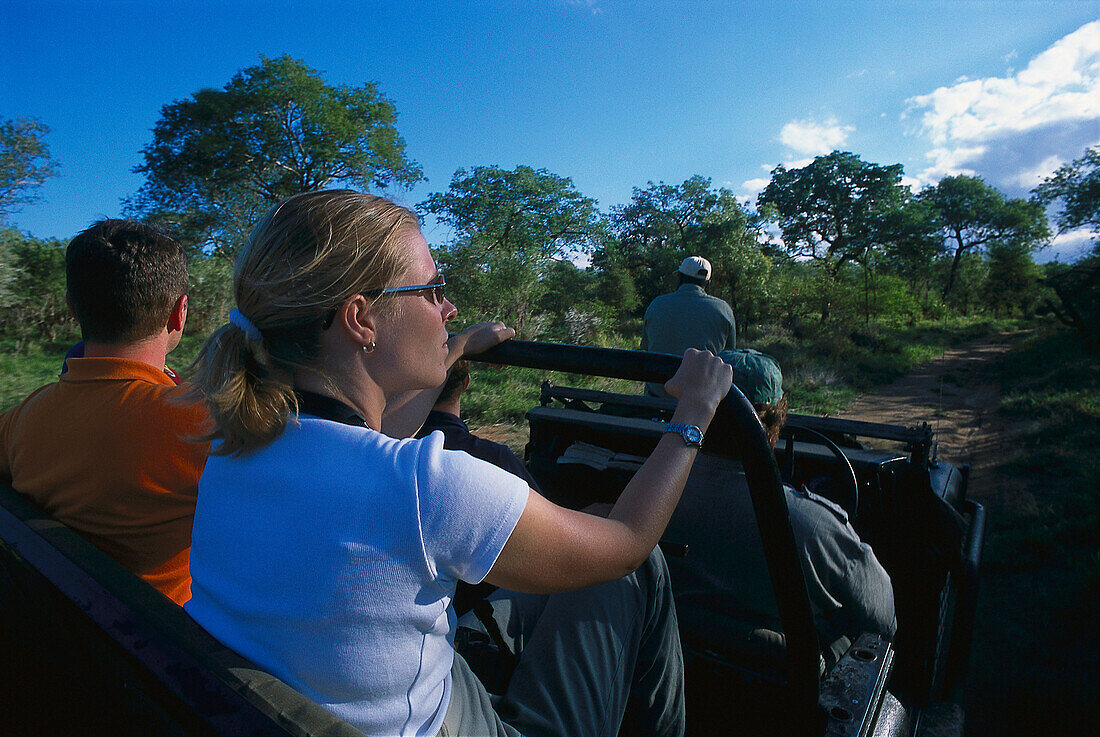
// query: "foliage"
[[32, 290], [915, 245], [210, 294], [27, 365], [509, 230], [1076, 300], [972, 215], [25, 162], [1014, 282], [663, 224], [837, 209], [221, 158], [1077, 186]]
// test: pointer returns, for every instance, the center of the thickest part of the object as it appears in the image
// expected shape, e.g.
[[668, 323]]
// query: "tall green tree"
[[508, 228], [836, 210], [915, 244], [1013, 284], [1077, 186], [25, 162], [221, 157], [664, 223], [973, 216], [32, 288]]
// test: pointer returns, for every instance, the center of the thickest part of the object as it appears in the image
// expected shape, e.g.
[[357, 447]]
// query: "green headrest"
[[756, 374]]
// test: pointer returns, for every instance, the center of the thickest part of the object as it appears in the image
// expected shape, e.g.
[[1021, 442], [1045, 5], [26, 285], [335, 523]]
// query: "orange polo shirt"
[[106, 450]]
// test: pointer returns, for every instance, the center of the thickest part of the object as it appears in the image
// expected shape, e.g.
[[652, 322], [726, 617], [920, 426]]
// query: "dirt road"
[[958, 395], [1028, 673]]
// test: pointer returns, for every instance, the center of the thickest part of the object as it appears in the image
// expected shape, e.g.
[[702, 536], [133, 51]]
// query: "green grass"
[[1051, 384], [25, 366], [824, 367], [1035, 665]]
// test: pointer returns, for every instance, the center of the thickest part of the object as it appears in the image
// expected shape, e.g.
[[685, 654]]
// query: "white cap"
[[696, 267]]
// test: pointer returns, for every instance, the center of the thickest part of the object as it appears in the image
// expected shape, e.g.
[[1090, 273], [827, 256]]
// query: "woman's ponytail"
[[302, 260]]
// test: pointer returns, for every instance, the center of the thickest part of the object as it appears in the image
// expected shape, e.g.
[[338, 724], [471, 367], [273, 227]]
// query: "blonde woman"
[[327, 550]]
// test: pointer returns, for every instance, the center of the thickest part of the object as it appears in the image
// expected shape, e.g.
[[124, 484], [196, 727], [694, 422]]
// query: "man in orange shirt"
[[110, 448]]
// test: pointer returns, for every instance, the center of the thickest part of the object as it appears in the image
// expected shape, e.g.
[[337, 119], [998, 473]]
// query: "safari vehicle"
[[88, 648]]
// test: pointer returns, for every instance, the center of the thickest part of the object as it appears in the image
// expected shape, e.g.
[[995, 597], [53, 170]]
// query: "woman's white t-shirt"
[[330, 557]]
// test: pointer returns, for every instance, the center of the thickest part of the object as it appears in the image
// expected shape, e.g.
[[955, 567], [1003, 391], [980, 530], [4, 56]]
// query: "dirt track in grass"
[[1033, 669]]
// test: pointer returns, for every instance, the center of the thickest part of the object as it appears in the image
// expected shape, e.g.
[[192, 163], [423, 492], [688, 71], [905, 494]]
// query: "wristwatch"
[[691, 434]]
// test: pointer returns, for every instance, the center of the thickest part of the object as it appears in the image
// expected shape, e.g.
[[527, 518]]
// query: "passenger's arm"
[[405, 412], [557, 549]]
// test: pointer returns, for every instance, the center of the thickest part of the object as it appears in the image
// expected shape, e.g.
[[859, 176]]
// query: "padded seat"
[[96, 648]]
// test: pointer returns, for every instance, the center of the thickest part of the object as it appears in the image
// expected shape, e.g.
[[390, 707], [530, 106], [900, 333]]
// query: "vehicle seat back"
[[96, 648]]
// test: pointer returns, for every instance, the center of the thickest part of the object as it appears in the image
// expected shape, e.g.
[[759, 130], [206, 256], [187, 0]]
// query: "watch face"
[[691, 434]]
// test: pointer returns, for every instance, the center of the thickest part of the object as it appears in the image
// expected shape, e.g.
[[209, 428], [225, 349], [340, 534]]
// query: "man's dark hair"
[[456, 381], [123, 278], [685, 279]]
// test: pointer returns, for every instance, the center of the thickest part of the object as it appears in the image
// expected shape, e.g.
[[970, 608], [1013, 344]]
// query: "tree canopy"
[[223, 156], [972, 215], [1077, 185], [509, 227], [664, 223], [25, 162], [836, 209]]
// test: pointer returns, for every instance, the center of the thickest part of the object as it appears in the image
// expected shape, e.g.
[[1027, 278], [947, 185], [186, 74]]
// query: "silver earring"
[[369, 347]]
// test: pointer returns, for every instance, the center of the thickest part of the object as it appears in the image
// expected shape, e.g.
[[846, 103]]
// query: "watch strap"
[[690, 434]]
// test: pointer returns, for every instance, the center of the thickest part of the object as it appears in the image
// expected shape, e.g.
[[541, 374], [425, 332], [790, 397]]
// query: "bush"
[[210, 294], [32, 292]]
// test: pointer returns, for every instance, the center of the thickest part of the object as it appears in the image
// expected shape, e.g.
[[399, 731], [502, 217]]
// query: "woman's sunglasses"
[[436, 297]]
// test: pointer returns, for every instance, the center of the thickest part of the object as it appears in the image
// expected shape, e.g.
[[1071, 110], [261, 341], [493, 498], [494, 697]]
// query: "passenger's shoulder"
[[817, 505]]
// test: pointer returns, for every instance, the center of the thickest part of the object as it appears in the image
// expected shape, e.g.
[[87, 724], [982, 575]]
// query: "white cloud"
[[592, 5], [1031, 177], [799, 163], [1009, 128], [914, 184], [1067, 247], [753, 187], [810, 138]]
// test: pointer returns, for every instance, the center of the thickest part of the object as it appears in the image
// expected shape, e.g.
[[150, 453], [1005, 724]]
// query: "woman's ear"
[[358, 320]]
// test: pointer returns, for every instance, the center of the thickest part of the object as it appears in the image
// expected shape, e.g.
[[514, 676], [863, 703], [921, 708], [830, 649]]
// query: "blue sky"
[[611, 93]]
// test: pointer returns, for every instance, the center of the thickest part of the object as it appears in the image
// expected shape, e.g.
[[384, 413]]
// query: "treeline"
[[837, 242]]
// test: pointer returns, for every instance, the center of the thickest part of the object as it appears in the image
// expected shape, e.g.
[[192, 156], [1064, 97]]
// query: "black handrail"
[[735, 432]]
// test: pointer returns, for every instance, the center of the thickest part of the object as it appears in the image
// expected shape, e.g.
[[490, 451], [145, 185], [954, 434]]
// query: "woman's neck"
[[368, 401]]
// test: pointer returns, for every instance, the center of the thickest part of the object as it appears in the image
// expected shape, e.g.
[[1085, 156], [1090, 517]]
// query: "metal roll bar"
[[735, 432]]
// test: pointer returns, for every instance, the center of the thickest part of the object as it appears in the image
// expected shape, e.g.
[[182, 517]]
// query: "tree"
[[915, 244], [1077, 185], [1014, 281], [972, 216], [25, 162], [840, 210], [220, 158], [509, 227], [836, 209], [32, 288], [663, 223]]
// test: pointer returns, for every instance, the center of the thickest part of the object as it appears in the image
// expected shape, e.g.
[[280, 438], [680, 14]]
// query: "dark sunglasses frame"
[[436, 298]]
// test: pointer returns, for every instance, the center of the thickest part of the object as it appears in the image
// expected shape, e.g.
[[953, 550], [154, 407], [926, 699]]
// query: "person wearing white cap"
[[688, 318]]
